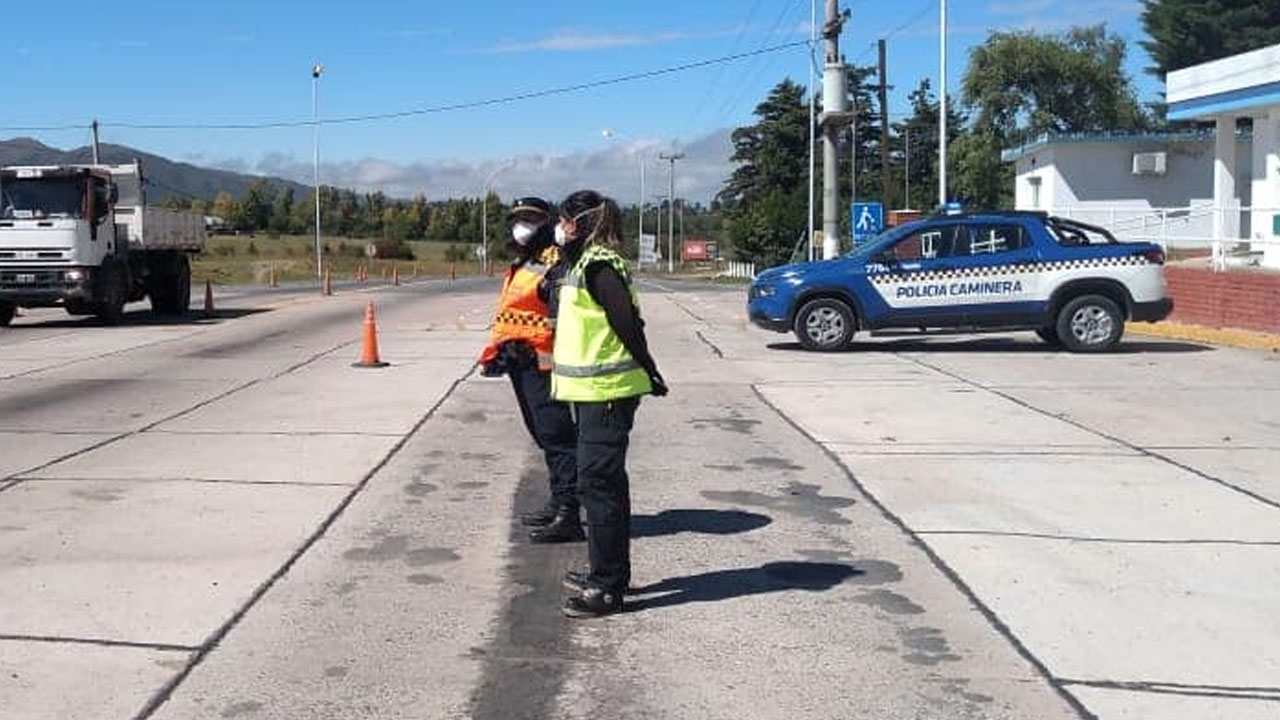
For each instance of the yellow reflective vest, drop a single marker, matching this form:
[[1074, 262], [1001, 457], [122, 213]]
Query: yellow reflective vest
[[590, 363]]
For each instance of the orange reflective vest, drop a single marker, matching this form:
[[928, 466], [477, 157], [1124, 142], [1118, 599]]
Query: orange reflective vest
[[523, 316]]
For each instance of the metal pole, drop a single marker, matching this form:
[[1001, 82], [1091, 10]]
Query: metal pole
[[640, 212], [906, 180], [833, 108], [316, 71], [95, 142], [942, 110], [671, 208], [813, 41], [853, 168]]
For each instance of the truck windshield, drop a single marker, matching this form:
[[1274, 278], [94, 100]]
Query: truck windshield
[[34, 198]]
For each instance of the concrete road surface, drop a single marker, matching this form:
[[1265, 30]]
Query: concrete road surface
[[223, 519]]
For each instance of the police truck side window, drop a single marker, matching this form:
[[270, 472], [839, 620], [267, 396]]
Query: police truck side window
[[930, 244], [991, 239]]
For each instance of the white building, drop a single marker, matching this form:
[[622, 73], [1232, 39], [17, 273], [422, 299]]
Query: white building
[[1184, 189], [1143, 187]]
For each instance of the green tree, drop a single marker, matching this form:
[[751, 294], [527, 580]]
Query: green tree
[[226, 207], [256, 206], [282, 211], [765, 198], [1019, 85], [1182, 33], [921, 130]]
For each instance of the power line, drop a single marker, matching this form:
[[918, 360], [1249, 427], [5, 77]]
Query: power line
[[503, 100], [920, 14]]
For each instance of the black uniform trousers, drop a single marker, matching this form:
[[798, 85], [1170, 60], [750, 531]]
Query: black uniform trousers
[[550, 422], [604, 431]]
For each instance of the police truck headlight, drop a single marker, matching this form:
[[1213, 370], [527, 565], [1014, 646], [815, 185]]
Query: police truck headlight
[[75, 276]]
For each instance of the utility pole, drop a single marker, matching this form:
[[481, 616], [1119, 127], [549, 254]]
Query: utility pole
[[316, 71], [884, 124], [813, 42], [95, 141], [671, 208], [834, 114], [942, 110], [906, 175]]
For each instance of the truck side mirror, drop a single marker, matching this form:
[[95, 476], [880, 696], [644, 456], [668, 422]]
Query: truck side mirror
[[113, 195]]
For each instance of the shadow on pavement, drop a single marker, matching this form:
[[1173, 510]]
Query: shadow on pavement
[[706, 522], [144, 318], [726, 584], [999, 344]]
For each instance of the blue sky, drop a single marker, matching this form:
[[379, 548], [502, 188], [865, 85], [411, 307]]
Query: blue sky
[[150, 62]]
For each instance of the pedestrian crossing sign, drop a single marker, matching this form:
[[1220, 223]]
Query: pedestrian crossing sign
[[868, 220]]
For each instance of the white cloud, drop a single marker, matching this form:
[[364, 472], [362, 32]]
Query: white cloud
[[573, 40], [613, 169]]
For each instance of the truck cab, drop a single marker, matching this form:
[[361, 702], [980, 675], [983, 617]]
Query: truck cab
[[82, 237]]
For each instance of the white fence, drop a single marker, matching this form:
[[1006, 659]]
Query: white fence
[[733, 269], [1225, 230]]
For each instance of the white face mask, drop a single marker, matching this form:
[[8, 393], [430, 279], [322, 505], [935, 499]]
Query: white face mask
[[562, 237], [522, 232]]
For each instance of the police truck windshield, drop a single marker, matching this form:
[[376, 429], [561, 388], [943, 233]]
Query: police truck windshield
[[36, 198]]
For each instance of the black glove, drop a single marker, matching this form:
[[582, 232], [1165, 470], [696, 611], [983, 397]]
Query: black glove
[[659, 385]]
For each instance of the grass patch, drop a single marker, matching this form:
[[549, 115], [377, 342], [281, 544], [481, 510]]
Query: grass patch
[[252, 259]]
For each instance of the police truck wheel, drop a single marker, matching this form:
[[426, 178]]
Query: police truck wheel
[[825, 324], [7, 310], [1090, 323]]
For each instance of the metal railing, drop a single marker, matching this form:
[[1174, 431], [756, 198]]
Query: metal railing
[[1223, 230], [735, 269]]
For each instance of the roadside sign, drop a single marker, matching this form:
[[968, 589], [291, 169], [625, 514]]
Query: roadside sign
[[868, 220], [649, 250]]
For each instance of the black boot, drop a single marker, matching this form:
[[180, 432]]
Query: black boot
[[575, 581], [564, 527], [593, 602], [544, 516]]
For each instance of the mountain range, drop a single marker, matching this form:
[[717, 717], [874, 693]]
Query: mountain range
[[166, 178]]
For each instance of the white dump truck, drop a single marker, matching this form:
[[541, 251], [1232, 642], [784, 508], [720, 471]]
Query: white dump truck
[[83, 237]]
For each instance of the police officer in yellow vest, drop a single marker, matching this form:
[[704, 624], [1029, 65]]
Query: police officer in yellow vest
[[603, 367], [520, 348]]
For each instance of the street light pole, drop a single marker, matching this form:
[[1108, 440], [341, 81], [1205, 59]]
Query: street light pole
[[671, 208], [610, 133], [942, 110], [484, 214], [316, 71]]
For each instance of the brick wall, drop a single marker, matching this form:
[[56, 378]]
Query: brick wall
[[1247, 300]]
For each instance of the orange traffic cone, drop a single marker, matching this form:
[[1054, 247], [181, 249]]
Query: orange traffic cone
[[328, 282], [208, 299], [369, 345], [395, 276]]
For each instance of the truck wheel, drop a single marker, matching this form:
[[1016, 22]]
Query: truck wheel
[[170, 286], [182, 287], [1090, 323], [7, 310], [77, 307], [825, 325], [110, 309], [1049, 334]]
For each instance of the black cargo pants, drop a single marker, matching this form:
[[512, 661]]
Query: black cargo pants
[[551, 424], [604, 431]]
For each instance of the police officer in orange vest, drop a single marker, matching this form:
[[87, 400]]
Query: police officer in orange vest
[[521, 349]]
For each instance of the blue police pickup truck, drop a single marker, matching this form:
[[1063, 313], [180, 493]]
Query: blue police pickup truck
[[1074, 284]]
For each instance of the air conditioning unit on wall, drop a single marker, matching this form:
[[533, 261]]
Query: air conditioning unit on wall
[[1150, 163]]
